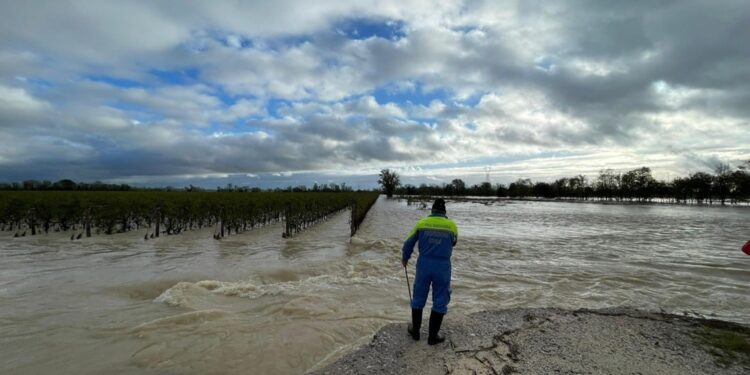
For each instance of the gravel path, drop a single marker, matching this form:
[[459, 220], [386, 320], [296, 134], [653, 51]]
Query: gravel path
[[553, 341]]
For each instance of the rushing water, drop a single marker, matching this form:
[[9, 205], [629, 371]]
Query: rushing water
[[257, 303]]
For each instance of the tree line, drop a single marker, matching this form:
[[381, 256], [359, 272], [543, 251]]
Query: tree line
[[316, 188], [724, 185], [70, 185], [63, 185]]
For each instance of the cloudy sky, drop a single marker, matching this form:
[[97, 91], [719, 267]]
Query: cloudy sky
[[290, 92]]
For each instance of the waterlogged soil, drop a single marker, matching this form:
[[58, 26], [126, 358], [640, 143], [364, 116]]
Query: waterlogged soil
[[258, 303], [552, 341]]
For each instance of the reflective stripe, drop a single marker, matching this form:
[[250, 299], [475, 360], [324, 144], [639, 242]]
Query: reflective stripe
[[439, 229], [435, 223]]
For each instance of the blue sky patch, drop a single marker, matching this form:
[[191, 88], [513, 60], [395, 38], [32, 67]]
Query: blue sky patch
[[36, 83], [136, 111], [545, 63], [226, 98], [473, 99], [416, 94], [275, 105], [236, 41], [365, 28], [115, 81], [176, 77]]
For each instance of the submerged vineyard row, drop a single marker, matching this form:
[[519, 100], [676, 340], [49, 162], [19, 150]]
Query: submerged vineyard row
[[171, 212]]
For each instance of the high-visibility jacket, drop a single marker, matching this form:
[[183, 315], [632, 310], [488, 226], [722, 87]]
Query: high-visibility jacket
[[436, 235]]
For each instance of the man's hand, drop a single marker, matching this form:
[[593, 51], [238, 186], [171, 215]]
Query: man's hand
[[404, 262]]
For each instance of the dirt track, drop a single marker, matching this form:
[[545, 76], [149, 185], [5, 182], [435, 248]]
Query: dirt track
[[552, 341]]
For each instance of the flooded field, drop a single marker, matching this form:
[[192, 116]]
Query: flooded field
[[257, 303]]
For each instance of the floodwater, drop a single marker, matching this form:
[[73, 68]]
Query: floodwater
[[258, 304]]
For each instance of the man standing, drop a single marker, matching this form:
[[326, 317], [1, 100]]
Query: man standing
[[436, 235]]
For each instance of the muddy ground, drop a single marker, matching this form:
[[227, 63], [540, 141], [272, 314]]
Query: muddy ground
[[553, 341]]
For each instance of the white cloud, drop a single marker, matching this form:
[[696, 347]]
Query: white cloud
[[18, 100]]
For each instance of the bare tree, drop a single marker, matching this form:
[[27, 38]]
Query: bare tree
[[389, 180], [607, 184], [459, 186], [723, 179]]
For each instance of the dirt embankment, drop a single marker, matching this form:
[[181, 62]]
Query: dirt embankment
[[553, 341]]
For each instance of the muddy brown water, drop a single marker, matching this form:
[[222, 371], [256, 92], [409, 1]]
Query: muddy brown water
[[257, 303]]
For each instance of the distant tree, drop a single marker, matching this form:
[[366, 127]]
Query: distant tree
[[560, 186], [65, 185], [578, 185], [521, 188], [661, 190], [485, 189], [607, 183], [193, 188], [543, 190], [423, 189], [501, 190], [700, 185], [722, 181], [459, 186], [410, 189], [681, 189], [638, 183], [389, 180], [739, 187], [30, 184]]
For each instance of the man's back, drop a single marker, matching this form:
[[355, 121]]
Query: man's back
[[436, 235]]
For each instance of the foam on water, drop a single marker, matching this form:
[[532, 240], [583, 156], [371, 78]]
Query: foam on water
[[365, 274], [189, 318], [294, 324]]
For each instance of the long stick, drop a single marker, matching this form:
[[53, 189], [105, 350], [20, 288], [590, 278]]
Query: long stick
[[408, 286]]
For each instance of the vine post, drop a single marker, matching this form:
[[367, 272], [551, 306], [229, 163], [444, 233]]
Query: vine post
[[288, 224], [353, 221]]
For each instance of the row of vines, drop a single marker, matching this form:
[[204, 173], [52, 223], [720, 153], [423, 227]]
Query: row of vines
[[105, 212]]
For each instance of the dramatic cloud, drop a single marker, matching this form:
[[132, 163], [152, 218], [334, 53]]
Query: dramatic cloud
[[287, 92]]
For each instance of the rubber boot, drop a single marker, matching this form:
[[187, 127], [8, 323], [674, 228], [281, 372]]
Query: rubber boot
[[436, 319], [416, 323]]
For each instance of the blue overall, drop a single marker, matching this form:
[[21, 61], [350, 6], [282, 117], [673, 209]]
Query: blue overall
[[436, 235]]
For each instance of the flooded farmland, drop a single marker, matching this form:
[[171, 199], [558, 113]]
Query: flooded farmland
[[257, 303]]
